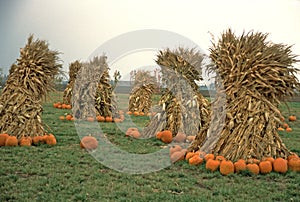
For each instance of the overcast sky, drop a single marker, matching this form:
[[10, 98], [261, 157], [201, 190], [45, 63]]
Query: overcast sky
[[78, 27]]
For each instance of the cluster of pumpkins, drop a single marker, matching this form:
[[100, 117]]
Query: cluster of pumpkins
[[285, 126], [225, 167], [59, 105], [8, 140]]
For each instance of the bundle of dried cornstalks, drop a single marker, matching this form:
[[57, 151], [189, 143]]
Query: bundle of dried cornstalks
[[74, 67], [140, 99], [183, 108], [28, 83], [255, 75], [92, 93]]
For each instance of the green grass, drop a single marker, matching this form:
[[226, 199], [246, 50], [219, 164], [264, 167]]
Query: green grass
[[67, 173]]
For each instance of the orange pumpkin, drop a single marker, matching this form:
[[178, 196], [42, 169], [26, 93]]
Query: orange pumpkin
[[11, 141], [25, 141], [175, 148], [166, 136], [189, 155], [142, 114], [136, 113], [69, 117], [280, 129], [68, 106], [177, 156], [289, 129], [108, 119], [285, 125], [209, 156], [180, 137], [212, 165], [253, 168], [158, 135], [292, 118], [271, 159], [280, 165], [291, 156], [135, 134], [62, 117], [226, 167], [100, 118], [129, 113], [89, 143], [265, 167], [195, 160], [37, 139], [50, 139], [3, 138], [294, 164], [239, 165]]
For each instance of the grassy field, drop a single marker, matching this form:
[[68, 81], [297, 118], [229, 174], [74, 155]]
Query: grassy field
[[67, 173]]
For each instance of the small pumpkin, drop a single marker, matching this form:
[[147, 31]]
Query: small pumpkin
[[292, 118], [136, 113], [158, 135], [209, 156], [280, 165], [226, 167], [291, 156], [212, 165], [108, 119], [195, 160], [294, 164], [166, 136], [240, 165], [50, 139], [285, 125], [265, 167], [129, 113], [25, 141], [180, 137], [280, 129], [69, 117], [142, 114], [189, 155], [288, 129], [37, 139], [100, 118], [253, 168], [3, 138], [89, 143], [177, 156], [175, 148], [135, 134], [11, 141], [62, 118]]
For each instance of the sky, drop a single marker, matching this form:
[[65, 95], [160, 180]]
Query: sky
[[77, 28]]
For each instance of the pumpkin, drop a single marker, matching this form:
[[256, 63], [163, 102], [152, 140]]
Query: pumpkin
[[142, 114], [177, 156], [63, 106], [280, 129], [212, 165], [166, 136], [190, 138], [90, 119], [175, 148], [68, 106], [271, 159], [253, 168], [69, 117], [280, 165], [209, 156], [129, 113], [220, 158], [292, 118], [226, 167], [62, 117], [189, 155], [135, 134], [100, 118], [158, 135], [240, 165], [50, 139], [3, 138], [285, 125], [291, 156], [289, 129], [25, 141], [59, 106], [180, 137], [265, 167], [11, 141], [136, 113], [37, 139], [294, 164], [89, 143], [195, 160], [108, 119]]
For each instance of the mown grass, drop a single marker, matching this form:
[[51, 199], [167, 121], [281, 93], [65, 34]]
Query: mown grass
[[67, 173]]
